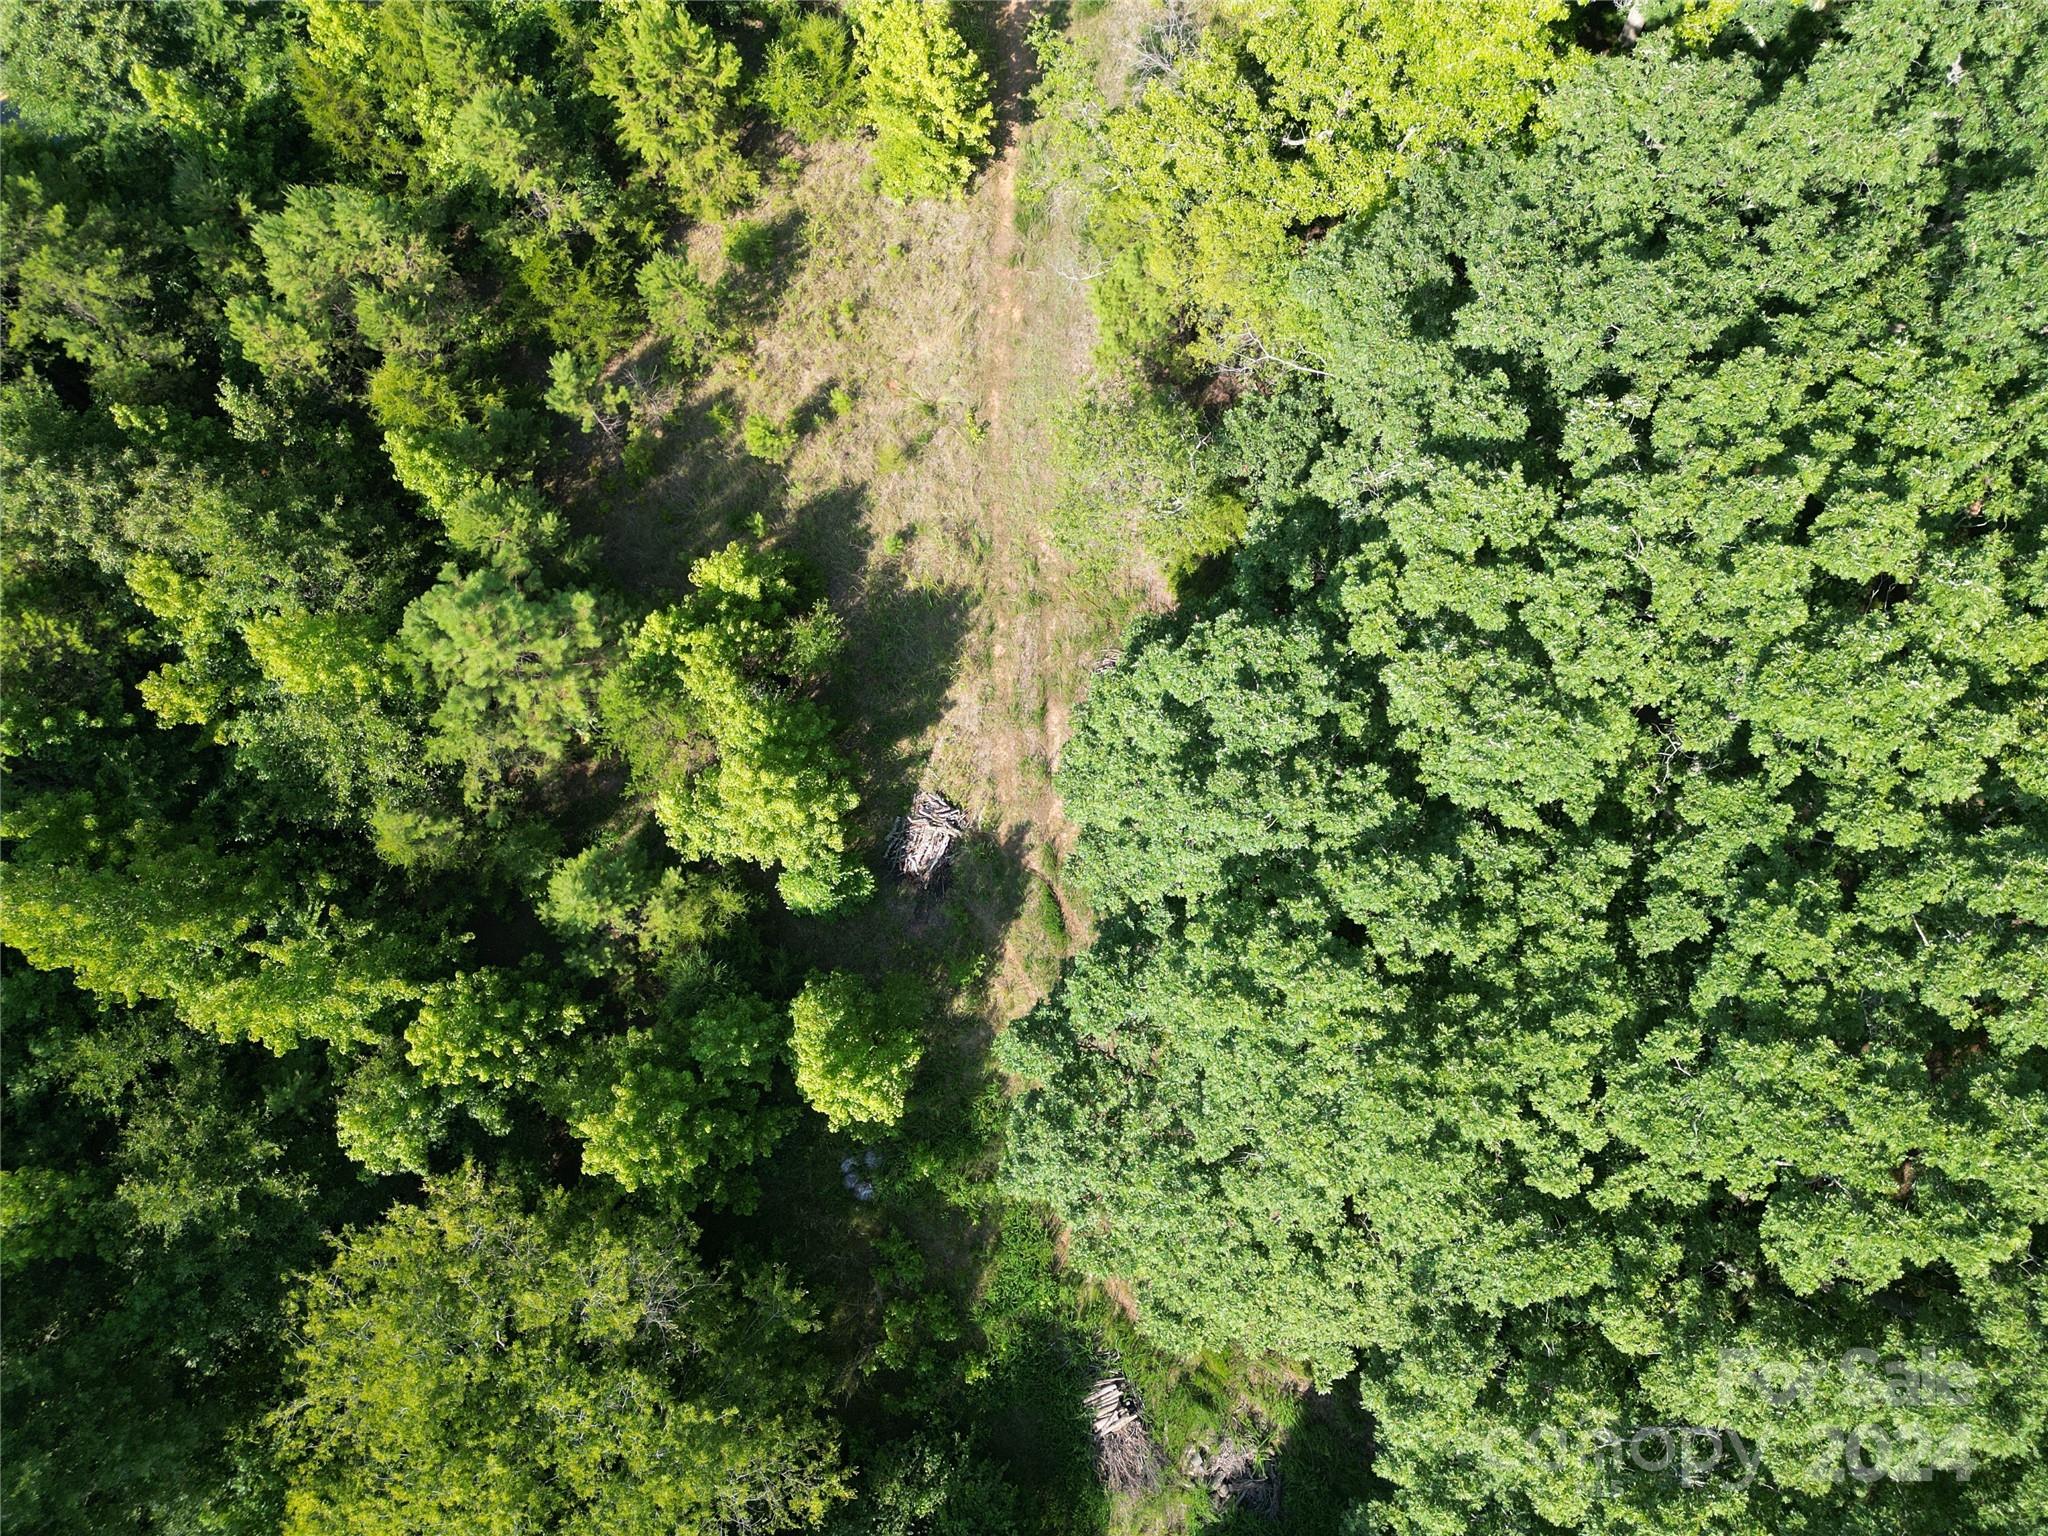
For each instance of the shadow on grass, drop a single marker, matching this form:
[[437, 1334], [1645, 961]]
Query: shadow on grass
[[1322, 1469], [903, 648], [761, 258]]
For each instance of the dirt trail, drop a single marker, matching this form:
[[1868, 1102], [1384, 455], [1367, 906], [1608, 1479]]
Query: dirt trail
[[1004, 315], [925, 348], [1025, 715]]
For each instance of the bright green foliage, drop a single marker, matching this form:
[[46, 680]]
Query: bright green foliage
[[678, 1107], [1138, 463], [233, 944], [1570, 889], [445, 95], [1279, 119], [343, 697], [387, 1117], [807, 81], [516, 675], [925, 97], [1572, 912], [769, 440], [707, 707], [474, 1363], [69, 72], [855, 1047], [613, 903], [487, 1027], [673, 84], [579, 390], [482, 511]]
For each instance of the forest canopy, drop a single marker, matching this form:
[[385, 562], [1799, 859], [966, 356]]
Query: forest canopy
[[1572, 903]]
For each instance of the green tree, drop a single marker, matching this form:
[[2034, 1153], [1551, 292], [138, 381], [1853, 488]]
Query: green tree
[[616, 907], [681, 307], [1279, 119], [708, 710], [486, 110], [160, 1192], [353, 280], [488, 1029], [679, 1107], [855, 1047], [579, 390], [550, 1369], [75, 284], [149, 909], [808, 82], [674, 84], [1570, 909], [926, 98], [65, 66], [516, 675]]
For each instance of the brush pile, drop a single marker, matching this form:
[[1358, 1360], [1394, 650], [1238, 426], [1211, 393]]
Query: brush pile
[[1233, 1474], [1124, 1453], [921, 844]]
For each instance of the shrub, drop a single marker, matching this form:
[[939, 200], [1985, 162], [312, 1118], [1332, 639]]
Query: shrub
[[927, 99], [769, 440], [680, 307]]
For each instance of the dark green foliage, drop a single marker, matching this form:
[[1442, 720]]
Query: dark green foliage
[[315, 868], [1569, 885], [1572, 907], [516, 675], [160, 1193]]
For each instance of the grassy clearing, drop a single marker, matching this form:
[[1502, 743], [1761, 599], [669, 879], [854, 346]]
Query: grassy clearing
[[889, 416]]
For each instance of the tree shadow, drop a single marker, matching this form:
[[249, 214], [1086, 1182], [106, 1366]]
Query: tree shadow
[[904, 641], [1321, 1471], [815, 409], [761, 256], [701, 492]]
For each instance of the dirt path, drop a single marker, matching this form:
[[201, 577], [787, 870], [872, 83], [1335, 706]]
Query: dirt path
[[1025, 720], [1004, 314]]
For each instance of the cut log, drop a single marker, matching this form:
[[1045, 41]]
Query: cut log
[[921, 844], [1125, 1456]]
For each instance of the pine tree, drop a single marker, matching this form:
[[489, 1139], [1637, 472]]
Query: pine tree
[[927, 100], [674, 84]]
